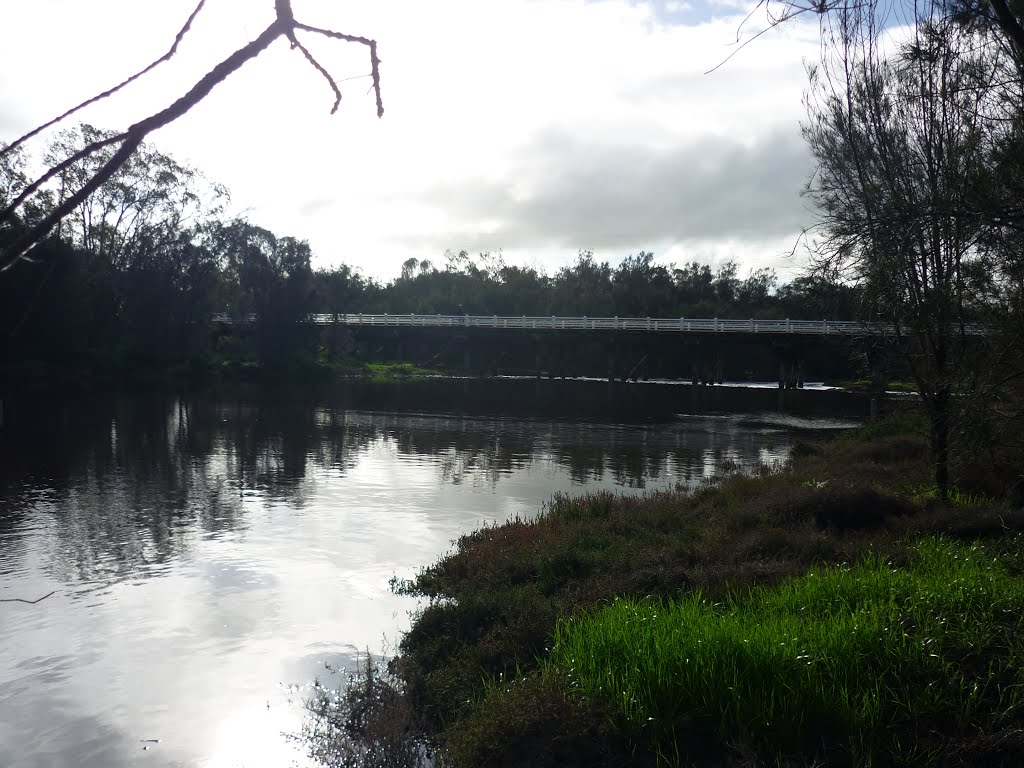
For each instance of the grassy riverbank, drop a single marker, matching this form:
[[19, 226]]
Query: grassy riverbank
[[829, 612], [33, 377]]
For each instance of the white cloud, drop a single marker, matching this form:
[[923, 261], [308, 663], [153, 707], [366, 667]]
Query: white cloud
[[568, 193], [529, 125]]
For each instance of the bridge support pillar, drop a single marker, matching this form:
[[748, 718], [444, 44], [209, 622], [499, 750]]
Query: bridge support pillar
[[708, 368], [555, 358], [791, 374], [878, 365]]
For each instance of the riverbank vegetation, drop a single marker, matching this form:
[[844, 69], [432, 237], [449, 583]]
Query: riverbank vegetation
[[831, 611]]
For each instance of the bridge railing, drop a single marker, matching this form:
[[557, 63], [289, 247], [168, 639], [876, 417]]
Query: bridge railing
[[647, 324], [656, 324]]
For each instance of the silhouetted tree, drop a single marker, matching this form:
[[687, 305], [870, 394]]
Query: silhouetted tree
[[272, 280], [905, 144]]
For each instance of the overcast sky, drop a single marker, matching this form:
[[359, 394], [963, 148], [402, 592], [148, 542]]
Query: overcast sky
[[534, 127]]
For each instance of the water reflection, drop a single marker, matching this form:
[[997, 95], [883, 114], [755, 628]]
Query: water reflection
[[209, 552]]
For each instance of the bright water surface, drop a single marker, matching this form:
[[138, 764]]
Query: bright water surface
[[208, 556]]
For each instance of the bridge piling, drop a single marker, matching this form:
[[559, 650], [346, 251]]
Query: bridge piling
[[791, 374]]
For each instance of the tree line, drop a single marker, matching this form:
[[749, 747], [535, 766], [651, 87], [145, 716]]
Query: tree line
[[132, 276]]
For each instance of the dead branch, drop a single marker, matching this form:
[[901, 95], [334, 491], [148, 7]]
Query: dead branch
[[374, 60], [127, 142], [27, 602], [111, 91], [319, 68], [774, 21]]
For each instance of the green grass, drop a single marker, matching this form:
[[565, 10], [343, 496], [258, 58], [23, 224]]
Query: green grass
[[843, 658], [954, 497], [865, 385], [896, 425], [397, 370]]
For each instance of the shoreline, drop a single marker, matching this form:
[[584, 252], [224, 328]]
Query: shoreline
[[505, 396], [483, 675]]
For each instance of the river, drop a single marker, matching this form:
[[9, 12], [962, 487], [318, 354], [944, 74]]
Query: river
[[211, 555]]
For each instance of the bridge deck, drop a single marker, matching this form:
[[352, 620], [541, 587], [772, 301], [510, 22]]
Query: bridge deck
[[644, 324]]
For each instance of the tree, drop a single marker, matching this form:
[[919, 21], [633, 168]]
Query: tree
[[457, 261], [150, 204], [813, 297], [127, 276], [585, 288], [642, 288], [111, 152], [409, 268], [726, 282], [694, 285], [844, 19], [754, 292], [271, 278], [906, 145], [12, 175]]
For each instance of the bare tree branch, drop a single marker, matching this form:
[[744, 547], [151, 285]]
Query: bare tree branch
[[166, 57], [319, 68], [374, 60], [284, 25], [1010, 25], [773, 22], [130, 140]]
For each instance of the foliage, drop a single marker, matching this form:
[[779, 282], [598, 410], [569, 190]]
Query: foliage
[[150, 205], [843, 659], [364, 724], [914, 204]]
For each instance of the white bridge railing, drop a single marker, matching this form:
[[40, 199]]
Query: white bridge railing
[[653, 324]]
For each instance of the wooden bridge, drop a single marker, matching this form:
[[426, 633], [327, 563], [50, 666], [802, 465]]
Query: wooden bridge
[[704, 350], [556, 323]]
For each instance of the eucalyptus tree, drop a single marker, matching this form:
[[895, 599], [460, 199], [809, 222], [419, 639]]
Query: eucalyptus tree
[[150, 205]]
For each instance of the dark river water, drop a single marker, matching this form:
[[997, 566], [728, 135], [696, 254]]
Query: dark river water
[[209, 555]]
